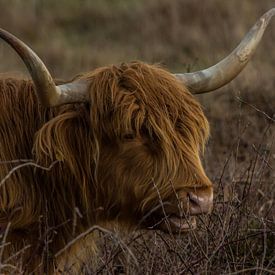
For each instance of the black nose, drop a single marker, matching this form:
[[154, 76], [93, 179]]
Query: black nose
[[200, 200]]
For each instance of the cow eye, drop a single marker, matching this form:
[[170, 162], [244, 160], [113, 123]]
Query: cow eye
[[128, 136]]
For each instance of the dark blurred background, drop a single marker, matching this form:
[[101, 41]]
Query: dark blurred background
[[74, 36]]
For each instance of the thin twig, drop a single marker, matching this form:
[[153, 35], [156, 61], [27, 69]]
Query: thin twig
[[246, 270], [255, 108], [24, 165], [3, 242]]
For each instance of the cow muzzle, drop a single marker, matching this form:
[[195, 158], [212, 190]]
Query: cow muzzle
[[196, 201]]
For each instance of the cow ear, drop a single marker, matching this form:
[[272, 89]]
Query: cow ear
[[65, 138]]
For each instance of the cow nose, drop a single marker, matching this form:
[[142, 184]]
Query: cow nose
[[200, 201]]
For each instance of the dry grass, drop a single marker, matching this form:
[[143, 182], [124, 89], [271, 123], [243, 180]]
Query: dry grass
[[74, 36]]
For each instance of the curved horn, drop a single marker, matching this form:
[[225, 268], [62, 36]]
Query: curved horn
[[48, 93], [227, 69]]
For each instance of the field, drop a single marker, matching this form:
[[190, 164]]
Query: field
[[182, 35]]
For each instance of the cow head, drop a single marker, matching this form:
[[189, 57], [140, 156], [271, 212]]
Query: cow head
[[150, 131]]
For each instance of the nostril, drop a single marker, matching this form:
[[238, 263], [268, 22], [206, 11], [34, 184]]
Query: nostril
[[200, 202], [199, 199], [194, 205]]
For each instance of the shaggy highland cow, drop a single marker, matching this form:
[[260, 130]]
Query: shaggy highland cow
[[109, 145]]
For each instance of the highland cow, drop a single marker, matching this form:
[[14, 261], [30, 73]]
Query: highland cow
[[109, 145]]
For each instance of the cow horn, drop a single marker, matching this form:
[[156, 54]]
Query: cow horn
[[227, 69], [48, 93]]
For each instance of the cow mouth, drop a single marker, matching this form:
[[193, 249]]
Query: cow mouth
[[175, 224]]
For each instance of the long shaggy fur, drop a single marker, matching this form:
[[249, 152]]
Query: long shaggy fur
[[142, 130]]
